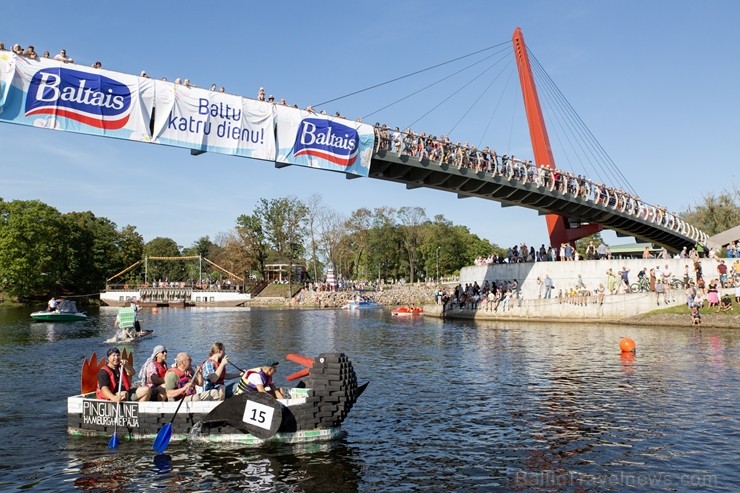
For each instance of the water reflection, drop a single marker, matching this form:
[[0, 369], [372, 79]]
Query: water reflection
[[321, 467], [452, 406]]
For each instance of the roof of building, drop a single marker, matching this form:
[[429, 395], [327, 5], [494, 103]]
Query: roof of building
[[725, 237], [632, 248]]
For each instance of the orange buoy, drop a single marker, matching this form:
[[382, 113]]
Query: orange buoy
[[626, 344]]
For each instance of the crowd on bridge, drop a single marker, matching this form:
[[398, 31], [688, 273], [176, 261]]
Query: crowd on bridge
[[486, 162]]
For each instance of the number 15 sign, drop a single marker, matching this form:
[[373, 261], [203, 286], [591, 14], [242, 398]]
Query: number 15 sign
[[258, 414]]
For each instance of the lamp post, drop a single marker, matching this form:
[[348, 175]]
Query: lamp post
[[438, 264]]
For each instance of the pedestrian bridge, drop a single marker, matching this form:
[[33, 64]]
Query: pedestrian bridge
[[51, 94], [545, 190]]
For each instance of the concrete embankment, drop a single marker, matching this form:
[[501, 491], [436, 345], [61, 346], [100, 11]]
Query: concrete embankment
[[615, 308], [565, 274], [390, 295]]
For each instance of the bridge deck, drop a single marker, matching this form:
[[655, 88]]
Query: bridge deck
[[620, 213]]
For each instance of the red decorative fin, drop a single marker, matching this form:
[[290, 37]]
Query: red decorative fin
[[301, 360], [90, 369], [299, 374]]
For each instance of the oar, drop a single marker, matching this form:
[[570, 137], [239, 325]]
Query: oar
[[113, 442], [165, 434], [232, 364]]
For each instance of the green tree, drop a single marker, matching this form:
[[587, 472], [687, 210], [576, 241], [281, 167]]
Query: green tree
[[130, 247], [411, 220], [582, 243], [384, 244], [93, 252], [203, 247], [251, 236], [283, 221], [356, 243], [33, 249], [716, 214], [164, 268]]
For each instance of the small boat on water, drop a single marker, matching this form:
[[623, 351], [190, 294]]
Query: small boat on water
[[66, 311], [314, 410], [407, 311], [361, 303], [129, 336]]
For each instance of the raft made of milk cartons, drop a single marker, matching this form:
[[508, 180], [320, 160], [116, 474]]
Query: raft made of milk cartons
[[311, 413]]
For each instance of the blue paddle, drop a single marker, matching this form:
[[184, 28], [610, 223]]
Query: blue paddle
[[113, 442], [165, 434]]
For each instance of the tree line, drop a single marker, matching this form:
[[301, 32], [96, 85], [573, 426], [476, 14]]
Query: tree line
[[45, 252]]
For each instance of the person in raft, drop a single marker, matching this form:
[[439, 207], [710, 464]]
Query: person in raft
[[153, 371], [108, 378], [181, 379], [215, 374], [260, 380]]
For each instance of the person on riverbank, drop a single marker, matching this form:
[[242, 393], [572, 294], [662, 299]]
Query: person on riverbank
[[108, 380], [215, 374], [611, 281], [725, 304], [690, 293], [660, 291], [713, 293], [624, 276], [695, 316], [260, 380], [153, 371]]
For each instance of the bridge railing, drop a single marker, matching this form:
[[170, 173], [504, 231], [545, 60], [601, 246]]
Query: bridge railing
[[443, 152]]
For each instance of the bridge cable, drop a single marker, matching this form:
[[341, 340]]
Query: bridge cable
[[430, 85], [547, 91], [495, 109], [570, 123], [511, 127], [510, 60], [591, 139], [453, 94], [409, 75]]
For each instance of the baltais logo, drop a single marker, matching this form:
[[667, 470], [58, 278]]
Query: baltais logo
[[328, 140], [91, 99]]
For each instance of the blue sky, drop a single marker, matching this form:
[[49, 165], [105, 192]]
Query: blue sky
[[656, 83]]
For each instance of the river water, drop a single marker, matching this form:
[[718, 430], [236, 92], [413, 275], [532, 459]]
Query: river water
[[451, 406]]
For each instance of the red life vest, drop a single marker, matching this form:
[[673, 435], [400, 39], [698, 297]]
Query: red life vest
[[221, 379], [183, 378], [161, 368], [125, 384]]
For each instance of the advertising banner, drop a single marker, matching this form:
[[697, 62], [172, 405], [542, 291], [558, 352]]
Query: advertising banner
[[318, 141], [212, 121], [7, 70], [50, 94]]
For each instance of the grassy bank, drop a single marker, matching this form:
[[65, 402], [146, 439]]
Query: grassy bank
[[678, 315]]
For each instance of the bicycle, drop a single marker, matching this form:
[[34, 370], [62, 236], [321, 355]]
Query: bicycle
[[641, 286], [676, 283]]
